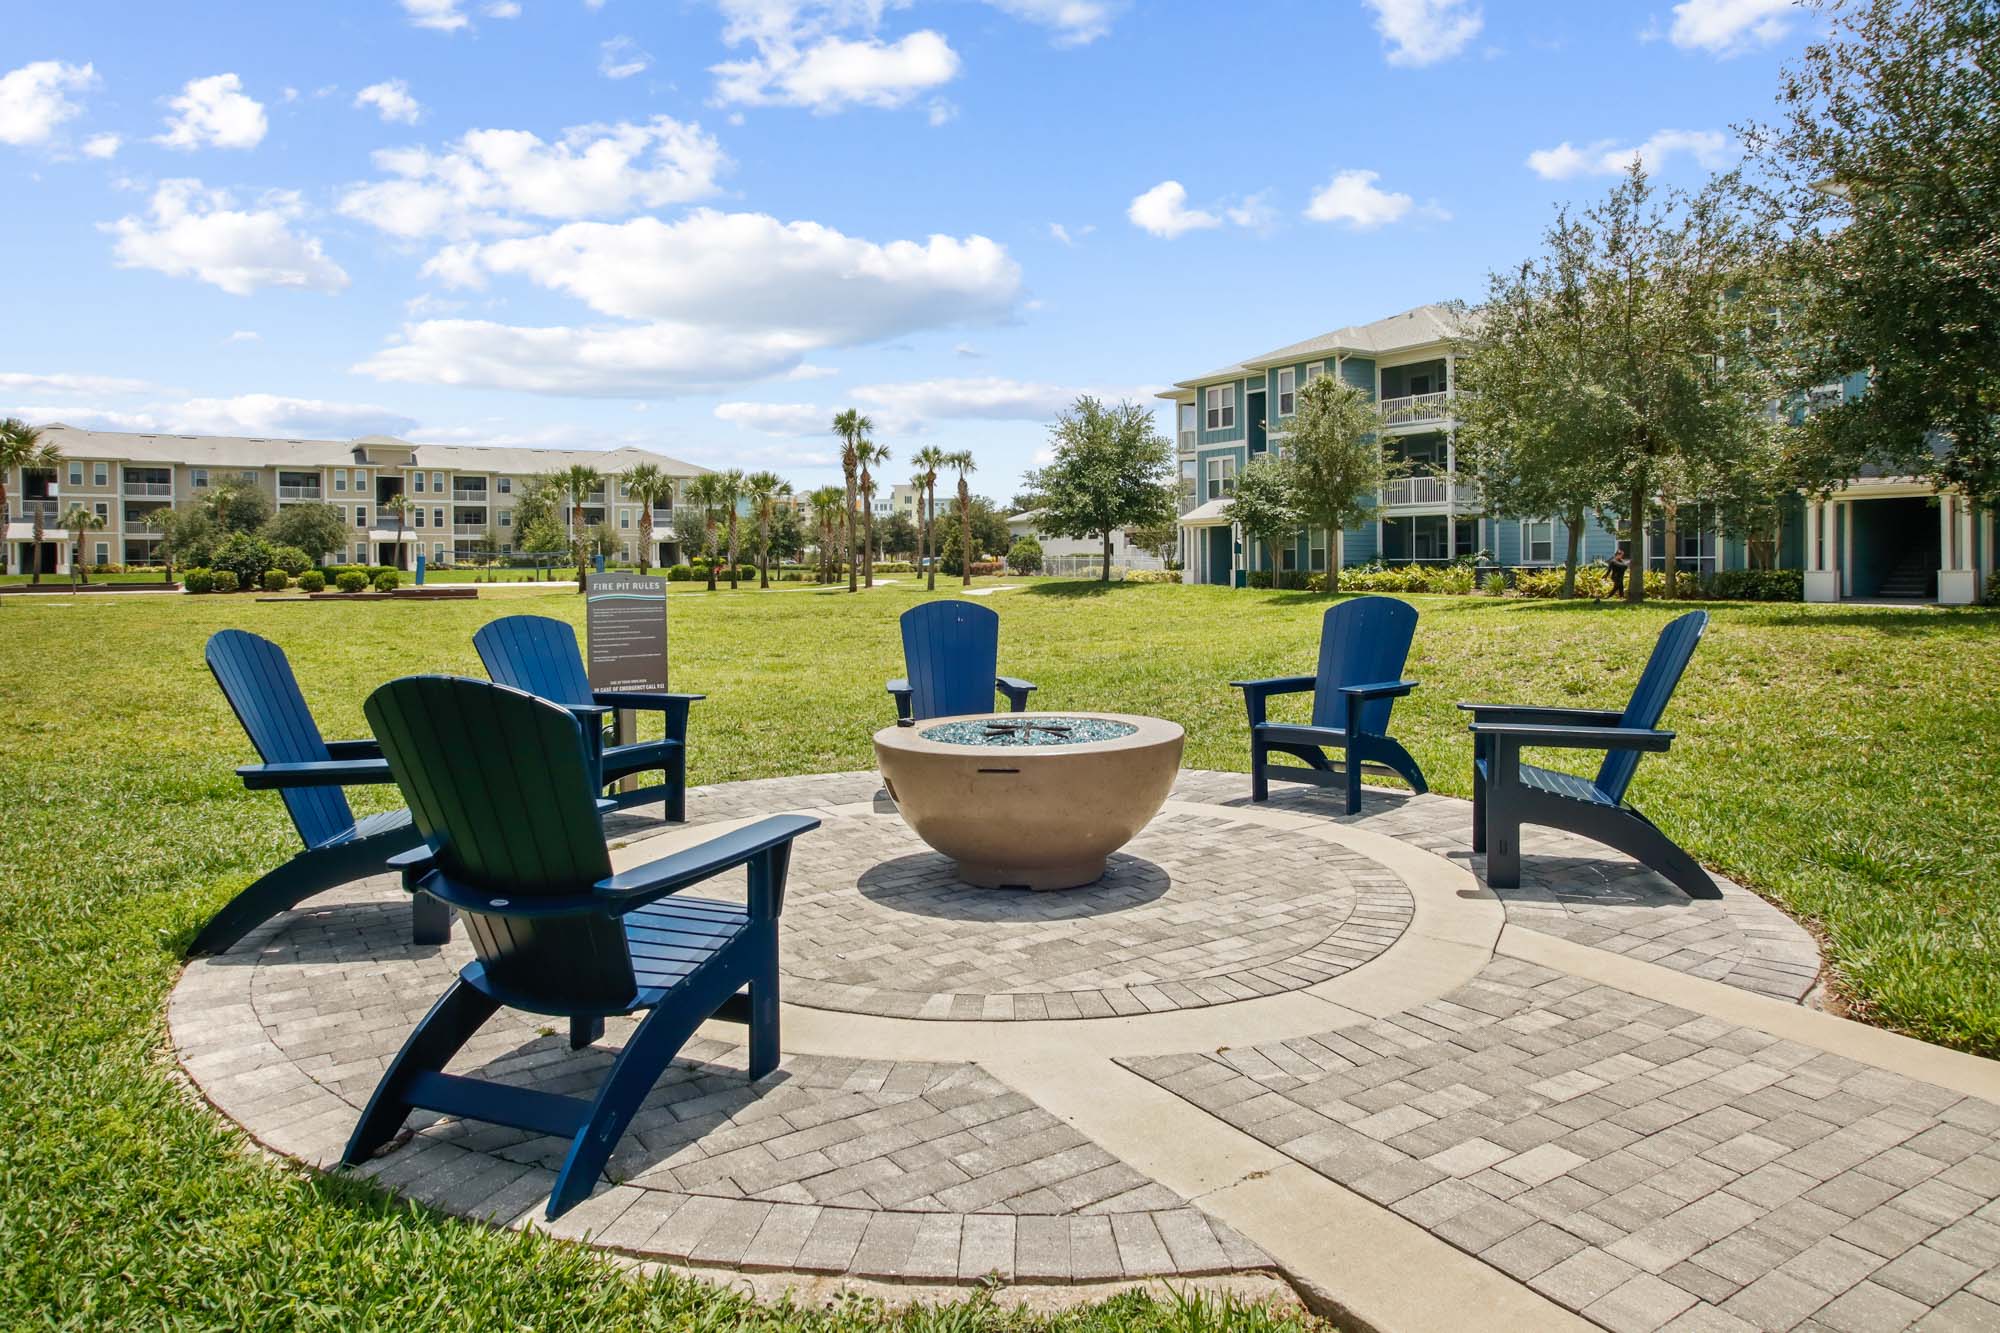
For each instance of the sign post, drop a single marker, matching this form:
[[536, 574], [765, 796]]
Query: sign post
[[625, 624]]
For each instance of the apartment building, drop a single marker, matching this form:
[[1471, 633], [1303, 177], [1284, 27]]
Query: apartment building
[[461, 497], [1876, 538]]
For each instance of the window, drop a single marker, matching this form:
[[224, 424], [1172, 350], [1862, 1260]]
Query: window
[[1222, 407], [76, 474], [437, 483], [340, 479], [1288, 557], [1538, 542], [624, 518], [417, 483], [420, 517], [437, 518], [249, 476], [361, 516], [1318, 550], [102, 510], [1288, 397], [1221, 476], [506, 518], [199, 477], [437, 552], [506, 485], [100, 475], [1315, 370], [104, 553]]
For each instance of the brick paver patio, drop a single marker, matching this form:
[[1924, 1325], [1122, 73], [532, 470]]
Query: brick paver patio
[[1645, 1154]]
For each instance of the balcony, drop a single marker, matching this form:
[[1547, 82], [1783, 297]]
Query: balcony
[[161, 490], [49, 510], [298, 493], [1402, 491], [468, 530], [1412, 409], [466, 495]]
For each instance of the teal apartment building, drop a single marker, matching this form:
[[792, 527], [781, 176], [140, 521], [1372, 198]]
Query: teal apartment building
[[1876, 538]]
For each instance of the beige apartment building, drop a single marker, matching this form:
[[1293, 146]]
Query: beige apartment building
[[461, 496]]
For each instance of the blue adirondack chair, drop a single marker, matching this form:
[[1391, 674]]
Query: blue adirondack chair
[[1507, 793], [309, 772], [1363, 645], [502, 786], [951, 650], [541, 656]]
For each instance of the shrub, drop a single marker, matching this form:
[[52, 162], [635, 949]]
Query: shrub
[[894, 567], [388, 581], [1174, 576], [1494, 584], [351, 580], [107, 569], [244, 555], [680, 573], [225, 580], [198, 580], [1759, 585], [1260, 578], [986, 568], [312, 581], [291, 560], [275, 580], [1455, 580], [1025, 556], [1992, 587]]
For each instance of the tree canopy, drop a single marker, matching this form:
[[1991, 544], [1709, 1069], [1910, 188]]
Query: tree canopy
[[1333, 457], [1266, 506], [316, 529], [1110, 471]]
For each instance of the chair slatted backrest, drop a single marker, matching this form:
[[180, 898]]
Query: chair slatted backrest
[[257, 680], [1362, 642], [537, 654], [500, 785], [951, 654], [1649, 698]]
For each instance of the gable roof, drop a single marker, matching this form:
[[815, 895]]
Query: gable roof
[[1418, 327], [250, 451]]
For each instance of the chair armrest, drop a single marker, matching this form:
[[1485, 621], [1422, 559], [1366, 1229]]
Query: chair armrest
[[368, 749], [1381, 689], [640, 885], [319, 773], [1256, 692], [588, 712], [899, 690], [1575, 738], [1016, 690], [674, 706], [414, 864], [1580, 717]]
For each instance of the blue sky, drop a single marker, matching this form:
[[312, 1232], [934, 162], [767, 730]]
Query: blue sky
[[702, 227]]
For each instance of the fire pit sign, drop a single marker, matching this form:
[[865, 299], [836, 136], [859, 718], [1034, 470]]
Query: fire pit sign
[[626, 623]]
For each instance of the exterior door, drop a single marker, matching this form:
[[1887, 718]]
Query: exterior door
[[1218, 556]]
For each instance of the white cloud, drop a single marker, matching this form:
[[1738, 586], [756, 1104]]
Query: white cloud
[[501, 9], [621, 58], [1423, 32], [749, 271], [1730, 27], [811, 372], [968, 351], [15, 381], [266, 415], [834, 73], [1352, 197], [941, 112], [201, 233], [244, 336], [620, 362], [1710, 149], [214, 112], [1074, 22], [1254, 212], [437, 15], [33, 99], [782, 419], [102, 146], [910, 405], [1163, 211], [488, 179], [1071, 235], [391, 100]]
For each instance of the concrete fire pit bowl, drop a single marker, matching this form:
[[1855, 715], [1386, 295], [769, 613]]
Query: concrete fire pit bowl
[[1030, 800]]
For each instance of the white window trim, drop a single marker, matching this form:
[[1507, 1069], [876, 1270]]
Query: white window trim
[[1219, 407], [1315, 370], [1288, 391], [100, 475], [1527, 543]]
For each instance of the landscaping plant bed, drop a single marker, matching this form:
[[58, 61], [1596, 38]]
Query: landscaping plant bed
[[11, 588], [454, 594]]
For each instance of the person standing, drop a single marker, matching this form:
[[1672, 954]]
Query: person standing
[[1618, 564]]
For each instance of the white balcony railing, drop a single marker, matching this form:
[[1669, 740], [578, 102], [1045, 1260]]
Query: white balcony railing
[[298, 493], [468, 530], [1415, 407], [48, 509], [462, 495], [1414, 491], [162, 489]]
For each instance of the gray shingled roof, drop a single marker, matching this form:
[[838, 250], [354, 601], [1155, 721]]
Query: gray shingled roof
[[247, 451], [1425, 324]]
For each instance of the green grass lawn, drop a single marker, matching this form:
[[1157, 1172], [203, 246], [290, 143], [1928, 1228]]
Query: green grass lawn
[[1841, 760]]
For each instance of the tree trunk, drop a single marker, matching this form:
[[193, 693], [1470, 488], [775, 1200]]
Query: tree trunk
[[1635, 573], [923, 534], [930, 529], [1574, 554], [646, 539], [1670, 576], [965, 530], [852, 584], [1105, 577], [582, 548], [764, 549], [39, 531], [82, 569], [732, 552], [708, 548]]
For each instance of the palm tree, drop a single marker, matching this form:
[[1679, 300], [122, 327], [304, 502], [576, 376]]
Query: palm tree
[[765, 489], [961, 461], [869, 453], [930, 459], [706, 492], [826, 507], [732, 492], [399, 505], [581, 481], [22, 446], [80, 520], [648, 485], [852, 428]]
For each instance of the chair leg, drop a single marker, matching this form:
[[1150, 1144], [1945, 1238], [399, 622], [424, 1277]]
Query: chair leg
[[430, 920], [764, 1046], [1260, 785], [1350, 765], [1478, 798], [451, 1022], [648, 1051], [584, 1031], [1503, 849], [676, 776]]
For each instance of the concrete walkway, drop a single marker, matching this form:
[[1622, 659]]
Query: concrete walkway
[[1274, 1047]]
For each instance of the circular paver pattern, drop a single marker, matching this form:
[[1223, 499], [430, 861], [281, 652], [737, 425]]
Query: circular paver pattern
[[1199, 909]]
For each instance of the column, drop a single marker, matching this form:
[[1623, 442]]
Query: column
[[1822, 583], [1958, 582]]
